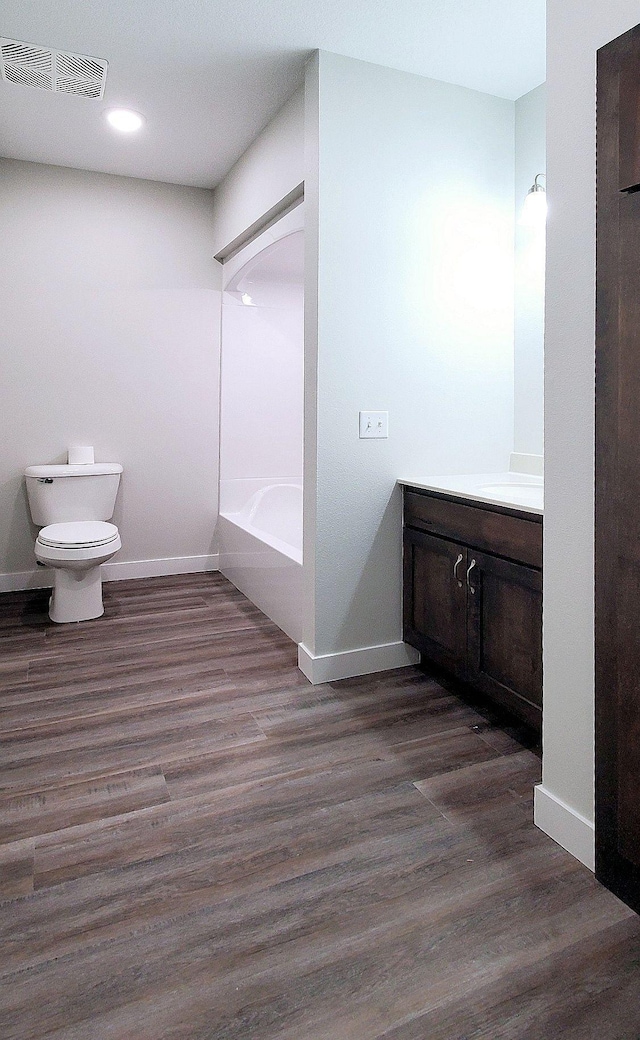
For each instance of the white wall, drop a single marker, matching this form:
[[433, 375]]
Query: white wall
[[531, 132], [270, 170], [575, 31], [412, 193], [109, 328]]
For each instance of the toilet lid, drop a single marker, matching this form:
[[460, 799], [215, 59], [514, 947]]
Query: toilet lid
[[81, 534]]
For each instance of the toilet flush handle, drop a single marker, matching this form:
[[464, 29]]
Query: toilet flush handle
[[45, 480]]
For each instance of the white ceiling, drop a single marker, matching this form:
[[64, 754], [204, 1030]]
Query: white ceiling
[[209, 74]]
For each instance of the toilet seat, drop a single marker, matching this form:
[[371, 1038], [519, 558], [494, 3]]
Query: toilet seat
[[79, 534]]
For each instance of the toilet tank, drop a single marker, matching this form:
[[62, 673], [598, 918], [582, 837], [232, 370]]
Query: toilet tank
[[61, 493]]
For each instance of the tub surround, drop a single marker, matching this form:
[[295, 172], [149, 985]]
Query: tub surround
[[259, 528]]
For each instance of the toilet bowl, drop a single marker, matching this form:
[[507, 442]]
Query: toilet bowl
[[72, 503], [76, 551]]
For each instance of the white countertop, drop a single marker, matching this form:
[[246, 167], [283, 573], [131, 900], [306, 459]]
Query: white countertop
[[518, 490]]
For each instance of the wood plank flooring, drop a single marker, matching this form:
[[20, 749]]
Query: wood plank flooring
[[196, 844]]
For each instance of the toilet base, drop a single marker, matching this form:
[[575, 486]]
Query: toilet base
[[76, 595]]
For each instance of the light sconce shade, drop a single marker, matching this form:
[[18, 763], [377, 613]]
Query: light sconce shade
[[534, 211]]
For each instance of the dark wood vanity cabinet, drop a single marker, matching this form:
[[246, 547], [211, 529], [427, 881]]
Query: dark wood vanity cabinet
[[435, 619], [504, 633], [473, 596]]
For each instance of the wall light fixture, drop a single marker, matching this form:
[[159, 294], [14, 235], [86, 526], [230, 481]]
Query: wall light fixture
[[534, 211]]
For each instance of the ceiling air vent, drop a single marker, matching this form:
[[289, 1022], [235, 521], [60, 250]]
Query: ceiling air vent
[[59, 71]]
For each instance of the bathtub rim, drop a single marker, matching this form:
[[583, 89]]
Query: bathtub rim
[[285, 548]]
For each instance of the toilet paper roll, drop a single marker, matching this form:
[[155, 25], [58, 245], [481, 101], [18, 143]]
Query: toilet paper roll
[[80, 456]]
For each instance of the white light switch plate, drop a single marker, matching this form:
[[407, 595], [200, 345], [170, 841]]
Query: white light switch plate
[[374, 424]]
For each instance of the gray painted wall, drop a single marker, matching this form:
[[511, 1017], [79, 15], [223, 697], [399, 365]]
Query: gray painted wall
[[109, 305], [574, 32], [414, 201], [266, 173], [528, 406]]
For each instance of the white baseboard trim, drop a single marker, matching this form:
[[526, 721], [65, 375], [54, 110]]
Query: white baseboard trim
[[344, 665], [156, 568], [42, 577], [569, 828], [17, 581]]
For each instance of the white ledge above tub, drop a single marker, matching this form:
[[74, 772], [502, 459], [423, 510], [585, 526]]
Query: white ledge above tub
[[522, 491]]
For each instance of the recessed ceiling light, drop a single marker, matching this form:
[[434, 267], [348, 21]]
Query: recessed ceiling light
[[124, 119]]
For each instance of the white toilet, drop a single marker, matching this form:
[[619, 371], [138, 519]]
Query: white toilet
[[73, 503]]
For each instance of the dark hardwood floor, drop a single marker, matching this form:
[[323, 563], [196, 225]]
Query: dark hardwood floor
[[196, 844]]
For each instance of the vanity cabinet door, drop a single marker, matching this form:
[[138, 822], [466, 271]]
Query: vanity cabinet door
[[435, 599], [505, 632]]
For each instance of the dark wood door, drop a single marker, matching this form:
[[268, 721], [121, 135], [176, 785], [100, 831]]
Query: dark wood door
[[505, 633], [617, 599], [435, 599]]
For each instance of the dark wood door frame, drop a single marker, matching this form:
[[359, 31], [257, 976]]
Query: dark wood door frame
[[617, 501]]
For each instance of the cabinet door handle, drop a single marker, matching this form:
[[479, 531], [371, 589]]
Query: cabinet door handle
[[455, 570], [469, 585]]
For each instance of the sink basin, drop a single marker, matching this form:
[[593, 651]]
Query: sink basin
[[530, 494]]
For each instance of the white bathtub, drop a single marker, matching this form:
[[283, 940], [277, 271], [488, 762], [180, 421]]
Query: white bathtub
[[261, 551], [274, 516]]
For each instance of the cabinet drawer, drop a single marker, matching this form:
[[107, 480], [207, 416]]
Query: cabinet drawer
[[477, 526]]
